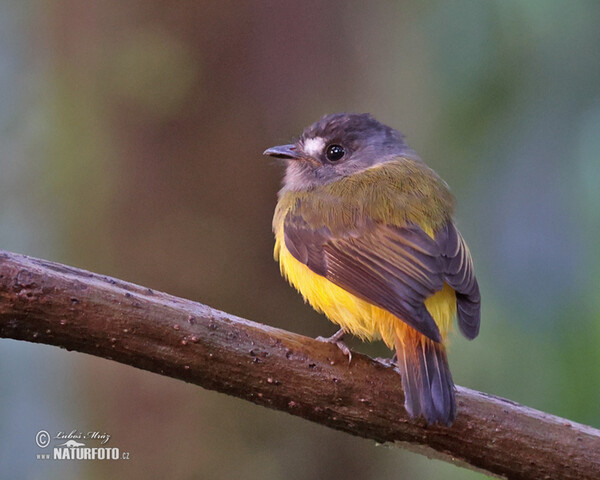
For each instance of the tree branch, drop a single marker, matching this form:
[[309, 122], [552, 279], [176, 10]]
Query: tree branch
[[58, 305]]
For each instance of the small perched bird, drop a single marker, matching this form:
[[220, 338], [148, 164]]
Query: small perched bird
[[364, 231]]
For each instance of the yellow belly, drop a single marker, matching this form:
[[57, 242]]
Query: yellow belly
[[353, 314]]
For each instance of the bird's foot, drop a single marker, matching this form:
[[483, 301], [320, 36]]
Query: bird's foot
[[388, 362], [336, 339]]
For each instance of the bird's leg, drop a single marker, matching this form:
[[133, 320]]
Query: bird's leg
[[336, 339]]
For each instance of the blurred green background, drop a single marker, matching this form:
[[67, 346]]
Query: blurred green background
[[131, 135]]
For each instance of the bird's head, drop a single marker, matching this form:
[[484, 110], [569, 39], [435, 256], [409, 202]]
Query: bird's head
[[337, 146]]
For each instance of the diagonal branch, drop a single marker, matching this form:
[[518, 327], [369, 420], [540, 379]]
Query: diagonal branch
[[58, 305]]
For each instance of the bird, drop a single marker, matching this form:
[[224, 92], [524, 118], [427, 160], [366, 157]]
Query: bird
[[364, 230]]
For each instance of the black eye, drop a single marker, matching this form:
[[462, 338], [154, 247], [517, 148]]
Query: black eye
[[335, 152]]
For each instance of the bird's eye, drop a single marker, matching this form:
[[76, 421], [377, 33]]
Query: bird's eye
[[335, 153]]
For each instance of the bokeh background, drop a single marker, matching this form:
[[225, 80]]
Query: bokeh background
[[131, 135]]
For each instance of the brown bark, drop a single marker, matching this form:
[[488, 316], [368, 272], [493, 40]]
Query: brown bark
[[54, 304]]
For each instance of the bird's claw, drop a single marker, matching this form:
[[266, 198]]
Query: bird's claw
[[336, 339], [388, 362]]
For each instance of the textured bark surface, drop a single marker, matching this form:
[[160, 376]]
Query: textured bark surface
[[54, 304]]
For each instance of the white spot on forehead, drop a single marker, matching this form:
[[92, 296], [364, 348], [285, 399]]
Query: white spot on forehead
[[314, 146]]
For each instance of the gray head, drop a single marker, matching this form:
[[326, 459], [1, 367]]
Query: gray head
[[337, 146]]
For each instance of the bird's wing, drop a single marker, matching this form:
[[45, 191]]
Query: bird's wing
[[459, 274], [394, 268]]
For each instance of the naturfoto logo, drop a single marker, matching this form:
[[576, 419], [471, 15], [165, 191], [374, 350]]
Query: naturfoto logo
[[77, 445]]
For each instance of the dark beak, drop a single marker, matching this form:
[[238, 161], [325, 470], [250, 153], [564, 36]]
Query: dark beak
[[283, 151]]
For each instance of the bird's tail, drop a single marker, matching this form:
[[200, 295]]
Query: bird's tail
[[426, 379]]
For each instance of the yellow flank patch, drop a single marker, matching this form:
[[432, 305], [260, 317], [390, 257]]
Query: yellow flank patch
[[353, 314]]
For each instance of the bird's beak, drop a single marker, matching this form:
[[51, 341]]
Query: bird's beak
[[284, 151]]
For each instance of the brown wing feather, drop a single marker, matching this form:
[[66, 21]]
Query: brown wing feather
[[460, 275], [394, 268]]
